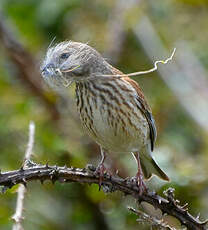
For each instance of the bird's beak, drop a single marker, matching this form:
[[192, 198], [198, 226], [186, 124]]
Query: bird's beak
[[48, 70]]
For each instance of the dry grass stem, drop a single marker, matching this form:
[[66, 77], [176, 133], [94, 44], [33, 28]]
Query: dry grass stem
[[145, 71]]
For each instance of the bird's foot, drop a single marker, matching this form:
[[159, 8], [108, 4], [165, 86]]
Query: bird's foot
[[100, 171], [139, 176], [140, 183]]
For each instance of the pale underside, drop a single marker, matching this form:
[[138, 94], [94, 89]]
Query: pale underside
[[117, 128], [119, 140]]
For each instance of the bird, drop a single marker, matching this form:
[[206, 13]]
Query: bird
[[112, 107]]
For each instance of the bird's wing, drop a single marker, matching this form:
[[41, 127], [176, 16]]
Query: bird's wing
[[145, 109]]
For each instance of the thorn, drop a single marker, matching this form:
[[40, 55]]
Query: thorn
[[65, 167], [117, 172], [29, 163], [169, 193], [21, 169], [185, 207], [24, 182], [47, 165], [131, 209], [83, 170], [159, 201], [198, 216]]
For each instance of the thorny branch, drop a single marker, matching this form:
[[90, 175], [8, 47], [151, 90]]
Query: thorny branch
[[18, 216], [110, 184], [153, 221]]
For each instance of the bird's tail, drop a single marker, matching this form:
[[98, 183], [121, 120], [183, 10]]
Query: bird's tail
[[149, 167]]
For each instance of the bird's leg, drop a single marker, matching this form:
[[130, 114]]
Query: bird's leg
[[101, 168], [139, 176]]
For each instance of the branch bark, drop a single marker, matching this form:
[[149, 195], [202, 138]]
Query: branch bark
[[110, 184]]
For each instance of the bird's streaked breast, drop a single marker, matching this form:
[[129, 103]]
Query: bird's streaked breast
[[109, 113]]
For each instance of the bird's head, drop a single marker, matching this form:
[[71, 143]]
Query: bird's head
[[70, 61]]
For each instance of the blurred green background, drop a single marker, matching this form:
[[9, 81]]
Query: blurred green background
[[131, 35]]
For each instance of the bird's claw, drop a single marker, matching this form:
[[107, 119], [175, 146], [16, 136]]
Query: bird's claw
[[141, 185], [100, 170], [139, 182]]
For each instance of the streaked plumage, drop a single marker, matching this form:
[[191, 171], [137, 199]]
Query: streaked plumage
[[113, 110]]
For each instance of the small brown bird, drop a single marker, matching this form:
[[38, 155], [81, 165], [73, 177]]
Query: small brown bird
[[112, 106]]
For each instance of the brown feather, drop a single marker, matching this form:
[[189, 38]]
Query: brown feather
[[142, 105], [146, 110]]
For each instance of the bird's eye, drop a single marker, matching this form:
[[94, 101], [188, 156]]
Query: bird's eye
[[64, 55]]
